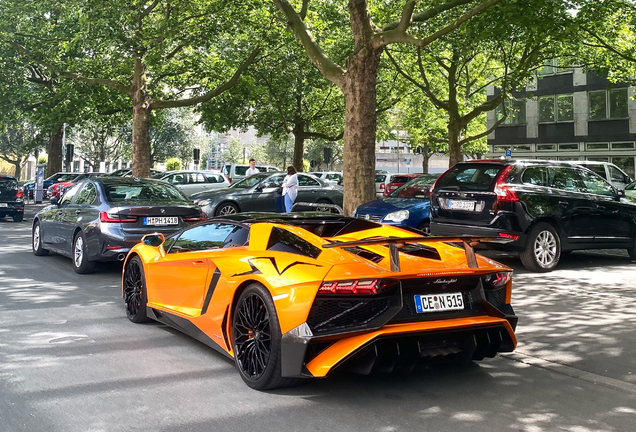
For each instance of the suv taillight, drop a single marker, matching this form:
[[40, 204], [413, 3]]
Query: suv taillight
[[504, 193], [19, 195]]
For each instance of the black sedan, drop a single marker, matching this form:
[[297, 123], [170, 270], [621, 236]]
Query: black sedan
[[258, 194], [11, 198], [101, 219]]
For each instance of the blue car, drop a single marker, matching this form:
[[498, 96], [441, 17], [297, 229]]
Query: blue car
[[406, 206], [29, 187]]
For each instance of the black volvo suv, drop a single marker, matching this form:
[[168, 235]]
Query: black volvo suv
[[11, 198], [543, 208]]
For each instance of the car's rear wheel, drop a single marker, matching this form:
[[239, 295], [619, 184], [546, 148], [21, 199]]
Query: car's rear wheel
[[542, 250], [256, 340], [323, 209], [18, 217], [36, 236], [135, 297], [81, 264], [225, 209]]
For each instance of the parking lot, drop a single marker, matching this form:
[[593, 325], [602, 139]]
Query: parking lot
[[71, 361]]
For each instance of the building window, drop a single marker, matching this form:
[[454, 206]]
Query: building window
[[525, 147], [501, 149], [569, 158], [608, 104], [597, 146], [516, 110], [556, 108], [623, 146], [555, 66], [598, 159], [546, 147], [546, 158], [568, 146]]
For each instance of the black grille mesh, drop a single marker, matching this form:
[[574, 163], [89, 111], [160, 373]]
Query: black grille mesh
[[330, 314], [497, 298]]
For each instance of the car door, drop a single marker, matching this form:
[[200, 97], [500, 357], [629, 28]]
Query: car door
[[83, 212], [188, 267], [574, 208], [262, 198], [309, 189], [56, 230], [611, 223], [195, 182], [216, 181]]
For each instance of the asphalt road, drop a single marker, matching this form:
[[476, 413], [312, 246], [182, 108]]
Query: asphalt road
[[71, 361]]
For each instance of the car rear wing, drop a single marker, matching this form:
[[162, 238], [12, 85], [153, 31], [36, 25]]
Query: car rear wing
[[395, 243]]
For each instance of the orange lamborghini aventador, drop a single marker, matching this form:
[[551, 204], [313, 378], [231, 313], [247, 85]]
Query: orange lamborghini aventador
[[297, 296]]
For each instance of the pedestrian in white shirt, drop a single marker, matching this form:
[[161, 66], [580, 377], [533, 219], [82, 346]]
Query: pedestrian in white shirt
[[290, 188], [252, 169]]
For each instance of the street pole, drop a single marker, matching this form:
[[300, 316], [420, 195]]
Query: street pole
[[398, 151]]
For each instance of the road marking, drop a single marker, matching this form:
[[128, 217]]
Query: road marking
[[572, 372]]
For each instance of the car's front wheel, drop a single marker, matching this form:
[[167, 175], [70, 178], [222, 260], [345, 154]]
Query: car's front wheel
[[81, 264], [36, 237], [542, 250], [256, 340], [135, 297]]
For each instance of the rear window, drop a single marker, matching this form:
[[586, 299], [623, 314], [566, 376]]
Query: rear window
[[472, 177], [8, 184], [380, 178], [418, 188], [145, 192], [400, 179]]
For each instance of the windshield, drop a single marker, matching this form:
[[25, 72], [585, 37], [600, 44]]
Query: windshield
[[419, 187], [242, 169], [153, 192], [471, 177], [250, 181]]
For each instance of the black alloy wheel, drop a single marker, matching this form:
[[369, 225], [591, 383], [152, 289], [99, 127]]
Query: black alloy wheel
[[135, 291], [256, 340]]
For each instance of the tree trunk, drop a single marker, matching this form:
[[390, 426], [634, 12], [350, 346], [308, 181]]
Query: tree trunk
[[54, 150], [18, 168], [426, 157], [454, 149], [360, 128], [299, 147], [141, 122]]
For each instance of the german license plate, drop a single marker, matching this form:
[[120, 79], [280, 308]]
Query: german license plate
[[461, 205], [439, 302], [161, 221], [4, 205]]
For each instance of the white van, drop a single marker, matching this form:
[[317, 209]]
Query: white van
[[236, 172]]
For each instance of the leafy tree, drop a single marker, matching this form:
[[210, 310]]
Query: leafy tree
[[100, 140], [233, 152], [496, 48], [174, 133], [158, 54], [173, 164], [363, 40], [316, 152], [17, 142]]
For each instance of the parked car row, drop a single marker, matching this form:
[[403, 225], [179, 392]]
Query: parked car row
[[540, 209]]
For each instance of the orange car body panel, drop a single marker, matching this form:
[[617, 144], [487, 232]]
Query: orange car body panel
[[177, 283]]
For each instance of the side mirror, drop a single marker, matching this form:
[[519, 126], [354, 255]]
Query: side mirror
[[620, 193], [154, 240], [54, 201]]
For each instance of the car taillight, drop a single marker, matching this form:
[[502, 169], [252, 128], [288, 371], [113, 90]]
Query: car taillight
[[504, 193], [196, 219], [115, 218], [19, 195], [229, 179], [366, 286], [509, 236], [497, 280], [381, 186]]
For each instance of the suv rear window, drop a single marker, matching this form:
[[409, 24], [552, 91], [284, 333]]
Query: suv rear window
[[8, 183], [379, 178], [471, 177]]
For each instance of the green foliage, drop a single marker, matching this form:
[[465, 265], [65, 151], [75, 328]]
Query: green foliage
[[173, 164], [315, 152], [233, 152], [17, 139]]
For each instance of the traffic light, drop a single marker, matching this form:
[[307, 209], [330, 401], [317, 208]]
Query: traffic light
[[327, 155], [69, 152], [197, 156]]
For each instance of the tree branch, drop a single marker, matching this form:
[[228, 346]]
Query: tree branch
[[303, 10], [483, 134], [93, 81], [318, 135], [327, 67], [607, 46], [149, 9], [429, 13], [160, 104]]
